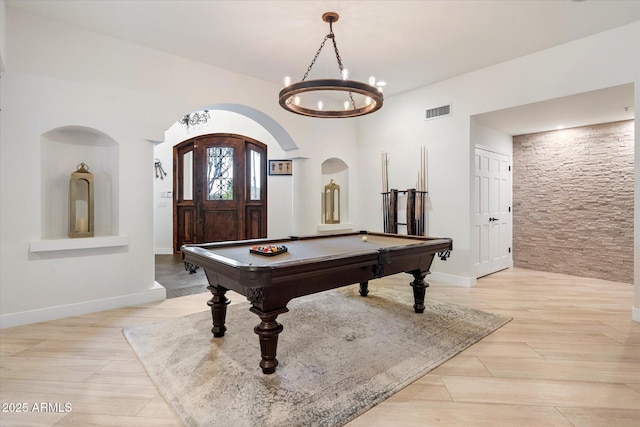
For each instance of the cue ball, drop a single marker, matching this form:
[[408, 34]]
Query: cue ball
[[364, 238]]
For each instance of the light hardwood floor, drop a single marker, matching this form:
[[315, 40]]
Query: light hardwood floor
[[570, 357]]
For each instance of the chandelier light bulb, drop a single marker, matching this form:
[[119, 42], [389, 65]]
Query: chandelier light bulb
[[368, 100], [296, 100], [345, 74], [346, 105], [372, 81], [287, 81], [319, 105]]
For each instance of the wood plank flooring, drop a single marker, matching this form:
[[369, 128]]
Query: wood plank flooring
[[570, 357]]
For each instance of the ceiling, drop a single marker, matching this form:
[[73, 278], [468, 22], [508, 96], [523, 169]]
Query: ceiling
[[599, 106], [408, 44]]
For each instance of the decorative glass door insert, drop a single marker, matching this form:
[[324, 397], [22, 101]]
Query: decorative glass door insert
[[255, 174], [220, 173]]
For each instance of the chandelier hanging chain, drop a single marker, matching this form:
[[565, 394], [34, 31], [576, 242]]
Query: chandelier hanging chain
[[335, 47], [338, 58], [313, 61]]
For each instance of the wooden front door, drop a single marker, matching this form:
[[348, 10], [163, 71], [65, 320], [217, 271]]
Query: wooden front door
[[220, 189]]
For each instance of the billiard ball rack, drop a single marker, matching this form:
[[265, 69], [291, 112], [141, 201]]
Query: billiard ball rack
[[268, 250]]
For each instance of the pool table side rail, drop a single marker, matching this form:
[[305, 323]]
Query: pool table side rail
[[356, 266], [203, 250], [204, 255]]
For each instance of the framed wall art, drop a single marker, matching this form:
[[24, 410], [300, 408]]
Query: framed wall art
[[280, 167]]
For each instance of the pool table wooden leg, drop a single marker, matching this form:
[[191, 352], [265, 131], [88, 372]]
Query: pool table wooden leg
[[364, 289], [218, 304], [268, 330], [419, 288]]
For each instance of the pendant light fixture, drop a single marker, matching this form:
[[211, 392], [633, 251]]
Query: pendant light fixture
[[331, 98]]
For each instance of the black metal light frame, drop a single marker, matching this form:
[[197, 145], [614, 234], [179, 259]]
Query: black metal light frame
[[288, 93]]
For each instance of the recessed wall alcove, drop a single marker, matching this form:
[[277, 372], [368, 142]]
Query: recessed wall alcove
[[62, 150], [337, 170]]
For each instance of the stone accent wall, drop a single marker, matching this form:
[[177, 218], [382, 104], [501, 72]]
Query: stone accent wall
[[573, 201]]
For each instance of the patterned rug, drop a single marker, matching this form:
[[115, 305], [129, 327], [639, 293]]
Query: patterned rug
[[340, 354]]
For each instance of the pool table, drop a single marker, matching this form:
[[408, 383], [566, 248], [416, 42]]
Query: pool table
[[309, 265]]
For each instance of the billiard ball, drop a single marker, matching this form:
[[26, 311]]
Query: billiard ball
[[365, 238]]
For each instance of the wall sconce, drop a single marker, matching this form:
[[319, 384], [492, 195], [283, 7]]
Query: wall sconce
[[81, 222], [332, 203]]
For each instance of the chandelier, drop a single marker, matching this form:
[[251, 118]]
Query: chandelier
[[359, 98]]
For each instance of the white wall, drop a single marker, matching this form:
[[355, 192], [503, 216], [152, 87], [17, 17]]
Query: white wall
[[62, 76], [607, 59], [493, 139], [3, 35]]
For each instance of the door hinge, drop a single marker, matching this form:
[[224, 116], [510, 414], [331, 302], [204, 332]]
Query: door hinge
[[509, 168], [509, 250], [509, 208]]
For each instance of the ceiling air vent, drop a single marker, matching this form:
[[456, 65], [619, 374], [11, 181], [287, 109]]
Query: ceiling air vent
[[434, 113]]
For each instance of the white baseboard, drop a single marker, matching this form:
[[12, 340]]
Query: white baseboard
[[467, 282], [156, 293], [635, 314]]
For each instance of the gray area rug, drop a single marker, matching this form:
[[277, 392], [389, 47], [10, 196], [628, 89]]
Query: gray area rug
[[340, 354]]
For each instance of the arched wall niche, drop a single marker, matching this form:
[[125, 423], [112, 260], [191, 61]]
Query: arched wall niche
[[337, 170], [62, 150]]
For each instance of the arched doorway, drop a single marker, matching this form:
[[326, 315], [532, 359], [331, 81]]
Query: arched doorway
[[220, 188]]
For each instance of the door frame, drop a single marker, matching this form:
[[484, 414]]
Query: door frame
[[246, 208], [508, 262]]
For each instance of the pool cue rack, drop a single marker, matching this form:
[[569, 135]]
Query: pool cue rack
[[415, 211], [416, 218]]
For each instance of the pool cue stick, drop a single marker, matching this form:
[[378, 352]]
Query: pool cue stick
[[426, 189]]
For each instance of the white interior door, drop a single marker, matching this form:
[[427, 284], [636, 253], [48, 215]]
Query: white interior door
[[493, 226]]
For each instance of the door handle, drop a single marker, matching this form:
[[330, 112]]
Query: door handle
[[493, 219]]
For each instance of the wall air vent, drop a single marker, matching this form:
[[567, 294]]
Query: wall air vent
[[434, 113]]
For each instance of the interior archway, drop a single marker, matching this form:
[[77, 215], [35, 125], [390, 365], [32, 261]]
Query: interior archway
[[232, 119], [273, 127]]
